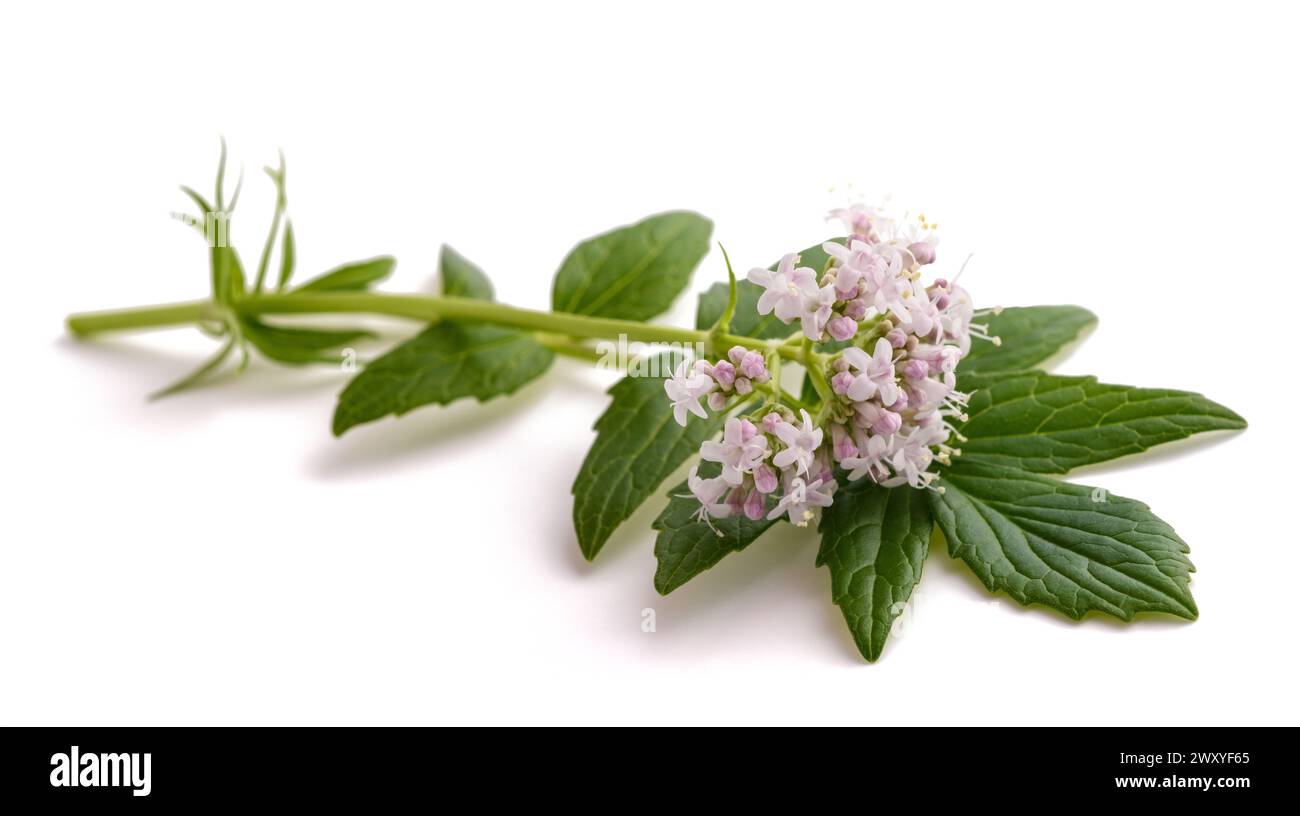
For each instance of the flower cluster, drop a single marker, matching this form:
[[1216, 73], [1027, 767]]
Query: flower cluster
[[718, 383], [887, 391]]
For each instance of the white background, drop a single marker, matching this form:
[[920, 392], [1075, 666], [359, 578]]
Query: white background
[[219, 558]]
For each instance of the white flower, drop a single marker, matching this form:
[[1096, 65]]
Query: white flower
[[800, 498], [870, 461], [685, 388], [876, 373], [782, 288], [792, 293], [912, 458], [741, 450], [801, 444], [709, 492]]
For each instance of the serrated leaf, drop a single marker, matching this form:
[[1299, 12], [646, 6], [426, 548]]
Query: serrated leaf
[[874, 541], [747, 321], [638, 445], [634, 272], [351, 277], [685, 546], [299, 345], [460, 278], [445, 362], [1029, 335], [1070, 547], [1047, 423]]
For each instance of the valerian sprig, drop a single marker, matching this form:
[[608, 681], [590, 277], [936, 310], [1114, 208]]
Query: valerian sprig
[[896, 374]]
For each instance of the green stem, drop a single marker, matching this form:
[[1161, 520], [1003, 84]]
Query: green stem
[[414, 307], [144, 317], [812, 363]]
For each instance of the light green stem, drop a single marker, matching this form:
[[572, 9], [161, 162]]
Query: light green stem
[[423, 308]]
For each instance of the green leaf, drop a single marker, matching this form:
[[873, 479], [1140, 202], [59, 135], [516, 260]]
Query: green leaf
[[460, 278], [633, 272], [227, 274], [199, 374], [1069, 547], [1029, 336], [638, 445], [874, 541], [287, 257], [747, 321], [351, 277], [445, 362], [1046, 423], [686, 546], [297, 345]]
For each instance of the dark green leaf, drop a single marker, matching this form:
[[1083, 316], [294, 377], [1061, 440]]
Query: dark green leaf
[[685, 546], [460, 278], [634, 272], [351, 277], [638, 445], [874, 540], [1047, 423], [1066, 546], [1029, 336], [445, 362], [297, 345]]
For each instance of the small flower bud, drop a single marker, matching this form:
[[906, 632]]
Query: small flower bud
[[717, 400], [887, 423], [752, 366], [916, 370], [743, 386], [897, 338], [842, 444], [900, 403], [842, 382], [755, 505], [725, 373], [770, 422], [842, 328], [765, 477], [922, 251], [736, 354], [856, 309]]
